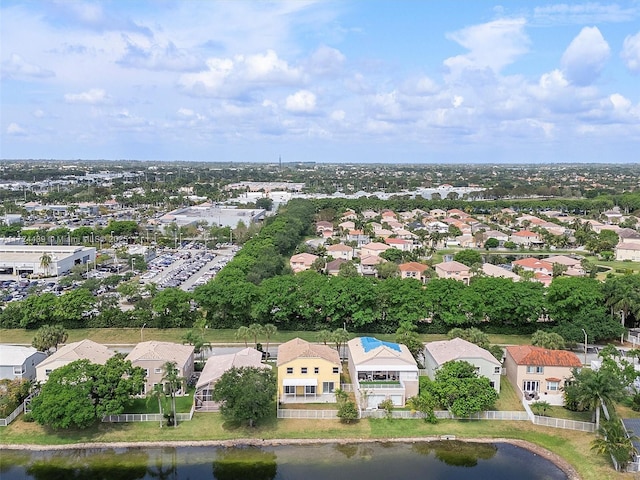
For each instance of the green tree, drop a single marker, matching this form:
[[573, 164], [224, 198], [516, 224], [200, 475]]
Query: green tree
[[79, 394], [491, 243], [156, 394], [407, 335], [425, 404], [550, 340], [247, 394], [269, 330], [593, 388], [615, 441], [255, 330], [324, 336], [459, 389], [48, 337], [340, 337], [172, 308], [468, 257], [45, 262], [243, 333], [172, 382]]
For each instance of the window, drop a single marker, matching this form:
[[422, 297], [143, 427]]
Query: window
[[336, 370], [157, 370], [290, 389], [303, 370], [553, 386], [316, 370], [496, 370], [310, 389], [47, 372], [18, 370], [328, 387], [146, 372], [534, 369], [289, 369], [531, 386]]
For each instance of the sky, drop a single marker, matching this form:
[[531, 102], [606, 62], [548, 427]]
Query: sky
[[367, 81]]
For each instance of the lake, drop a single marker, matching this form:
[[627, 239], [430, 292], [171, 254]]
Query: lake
[[450, 460]]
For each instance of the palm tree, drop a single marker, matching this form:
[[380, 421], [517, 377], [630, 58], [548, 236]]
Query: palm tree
[[45, 262], [173, 381], [616, 441], [255, 329], [269, 331], [324, 336], [157, 393], [340, 337], [595, 388], [243, 333]]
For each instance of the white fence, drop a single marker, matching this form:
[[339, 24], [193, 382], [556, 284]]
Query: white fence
[[404, 414], [308, 414], [566, 424], [145, 417], [12, 416]]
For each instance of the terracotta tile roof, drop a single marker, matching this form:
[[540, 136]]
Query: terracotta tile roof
[[538, 356], [412, 267], [298, 348]]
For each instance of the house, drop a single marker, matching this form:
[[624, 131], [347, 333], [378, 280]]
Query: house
[[539, 373], [413, 270], [526, 238], [382, 370], [19, 362], [628, 235], [349, 215], [534, 265], [368, 264], [491, 270], [457, 349], [456, 270], [369, 214], [346, 226], [323, 226], [214, 368], [400, 244], [302, 261], [333, 267], [574, 267], [82, 350], [340, 250], [628, 251], [358, 236], [307, 372], [373, 248], [498, 235], [153, 355]]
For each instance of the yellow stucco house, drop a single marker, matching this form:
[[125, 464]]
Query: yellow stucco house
[[307, 372]]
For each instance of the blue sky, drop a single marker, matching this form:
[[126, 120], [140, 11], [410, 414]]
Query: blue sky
[[390, 81]]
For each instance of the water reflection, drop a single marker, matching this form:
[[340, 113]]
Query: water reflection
[[244, 463], [456, 453]]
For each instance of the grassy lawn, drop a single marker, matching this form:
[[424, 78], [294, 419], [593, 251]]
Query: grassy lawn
[[561, 412], [127, 336], [143, 405], [508, 400], [573, 446]]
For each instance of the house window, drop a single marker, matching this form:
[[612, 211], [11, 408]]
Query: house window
[[328, 387], [496, 370], [18, 370], [303, 370], [310, 389], [553, 386], [336, 370], [290, 389], [534, 369], [47, 372], [316, 370], [146, 372], [157, 370], [289, 369], [531, 386]]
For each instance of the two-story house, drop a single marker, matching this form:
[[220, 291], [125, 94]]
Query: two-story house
[[307, 372], [19, 362], [152, 357], [82, 350]]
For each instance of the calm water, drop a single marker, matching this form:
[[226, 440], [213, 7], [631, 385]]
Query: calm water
[[373, 461]]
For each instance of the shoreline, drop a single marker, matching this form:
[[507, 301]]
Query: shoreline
[[557, 460]]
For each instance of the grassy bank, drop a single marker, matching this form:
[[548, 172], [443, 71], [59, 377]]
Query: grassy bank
[[125, 336], [573, 446]]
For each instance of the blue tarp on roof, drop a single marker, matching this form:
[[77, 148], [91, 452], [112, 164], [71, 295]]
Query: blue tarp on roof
[[371, 343]]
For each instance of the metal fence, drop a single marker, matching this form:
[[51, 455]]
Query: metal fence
[[12, 416], [562, 423], [145, 417], [308, 414]]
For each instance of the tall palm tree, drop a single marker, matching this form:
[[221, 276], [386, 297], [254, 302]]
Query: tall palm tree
[[340, 337], [324, 336], [596, 388], [45, 262], [173, 381], [269, 331], [157, 394], [255, 329], [243, 333]]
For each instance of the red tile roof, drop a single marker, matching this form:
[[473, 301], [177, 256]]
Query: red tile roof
[[538, 356]]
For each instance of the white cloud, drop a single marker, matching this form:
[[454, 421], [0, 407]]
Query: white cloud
[[16, 130], [326, 61], [152, 56], [457, 101], [302, 101], [581, 13], [39, 113], [491, 45], [585, 57], [338, 115], [16, 67], [631, 52], [226, 76], [91, 97]]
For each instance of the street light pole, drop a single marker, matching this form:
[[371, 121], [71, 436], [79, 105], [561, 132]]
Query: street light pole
[[141, 332], [585, 345]]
